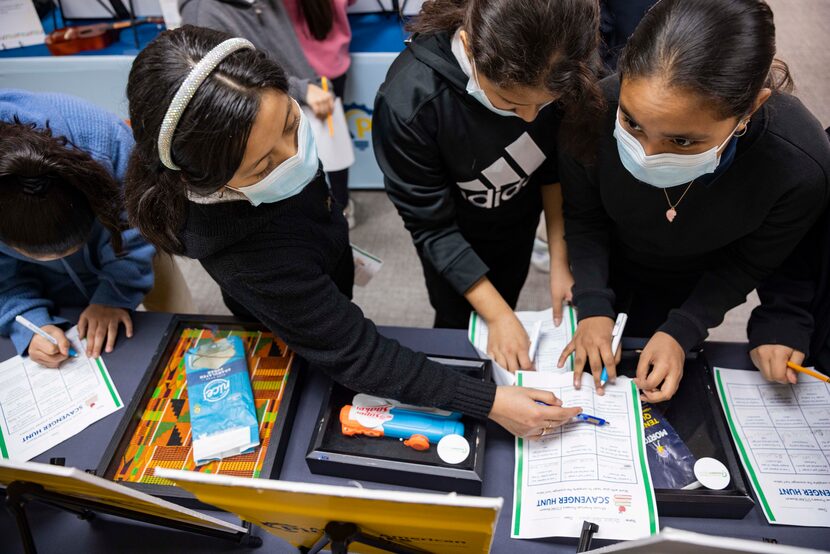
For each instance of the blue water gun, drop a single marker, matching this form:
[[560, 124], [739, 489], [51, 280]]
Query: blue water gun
[[417, 429]]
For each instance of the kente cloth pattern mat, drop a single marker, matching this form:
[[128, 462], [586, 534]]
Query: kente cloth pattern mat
[[162, 438]]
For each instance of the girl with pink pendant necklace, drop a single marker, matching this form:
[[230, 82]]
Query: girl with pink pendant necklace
[[707, 174]]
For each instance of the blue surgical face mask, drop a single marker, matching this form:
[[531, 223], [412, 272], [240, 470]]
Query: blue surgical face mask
[[291, 176], [664, 170]]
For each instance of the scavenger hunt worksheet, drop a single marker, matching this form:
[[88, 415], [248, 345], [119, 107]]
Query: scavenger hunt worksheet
[[581, 471], [782, 434], [551, 340], [41, 407]]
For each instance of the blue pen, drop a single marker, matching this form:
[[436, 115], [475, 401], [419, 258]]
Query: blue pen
[[38, 331], [593, 420], [616, 338], [587, 418]]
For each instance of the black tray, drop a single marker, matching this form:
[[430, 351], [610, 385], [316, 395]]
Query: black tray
[[136, 405], [696, 415], [385, 460]]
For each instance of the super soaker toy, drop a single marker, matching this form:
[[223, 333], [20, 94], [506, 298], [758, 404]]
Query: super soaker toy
[[417, 429]]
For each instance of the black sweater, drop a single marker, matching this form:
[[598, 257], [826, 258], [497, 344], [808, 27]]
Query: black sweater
[[457, 172], [277, 260], [795, 300], [730, 232]]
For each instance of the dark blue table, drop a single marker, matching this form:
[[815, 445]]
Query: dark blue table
[[60, 532]]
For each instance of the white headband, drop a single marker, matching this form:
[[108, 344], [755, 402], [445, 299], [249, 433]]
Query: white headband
[[189, 87]]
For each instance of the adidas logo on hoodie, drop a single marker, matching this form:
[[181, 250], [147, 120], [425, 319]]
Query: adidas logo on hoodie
[[504, 178]]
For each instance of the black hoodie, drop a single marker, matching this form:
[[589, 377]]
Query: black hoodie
[[730, 232], [280, 260], [457, 172]]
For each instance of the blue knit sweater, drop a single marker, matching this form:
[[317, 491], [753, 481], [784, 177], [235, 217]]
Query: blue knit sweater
[[94, 274]]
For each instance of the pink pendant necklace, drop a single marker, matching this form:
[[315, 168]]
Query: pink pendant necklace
[[671, 213]]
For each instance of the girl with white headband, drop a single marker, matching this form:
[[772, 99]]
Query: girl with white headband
[[225, 171]]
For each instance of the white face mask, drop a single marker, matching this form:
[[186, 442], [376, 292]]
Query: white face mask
[[291, 176], [664, 170], [475, 90]]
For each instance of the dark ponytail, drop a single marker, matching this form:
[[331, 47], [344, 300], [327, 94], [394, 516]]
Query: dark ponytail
[[319, 15], [51, 193], [723, 50], [211, 136], [550, 44]]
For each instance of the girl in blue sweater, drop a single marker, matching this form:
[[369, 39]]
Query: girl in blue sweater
[[63, 241]]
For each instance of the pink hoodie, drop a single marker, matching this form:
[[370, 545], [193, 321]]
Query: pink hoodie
[[329, 57]]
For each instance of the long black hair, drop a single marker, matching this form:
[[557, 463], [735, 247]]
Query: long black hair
[[722, 50], [550, 44], [319, 15], [51, 193], [210, 139]]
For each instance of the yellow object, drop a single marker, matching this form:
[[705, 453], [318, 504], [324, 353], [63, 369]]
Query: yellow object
[[810, 372], [298, 512], [79, 484], [329, 119]]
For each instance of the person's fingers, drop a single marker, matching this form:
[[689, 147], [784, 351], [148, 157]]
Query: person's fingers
[[778, 365], [546, 397], [609, 361], [643, 366], [558, 308], [128, 325], [83, 323], [658, 373], [63, 345], [762, 361], [98, 340], [797, 357], [579, 367], [792, 376], [671, 383], [47, 348], [500, 359], [595, 361], [564, 415], [654, 396], [524, 359], [92, 327], [512, 362], [565, 353], [51, 360], [112, 334]]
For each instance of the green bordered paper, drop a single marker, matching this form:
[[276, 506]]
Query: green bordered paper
[[584, 472]]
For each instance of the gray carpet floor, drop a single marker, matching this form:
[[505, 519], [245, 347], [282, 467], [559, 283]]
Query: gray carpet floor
[[397, 295]]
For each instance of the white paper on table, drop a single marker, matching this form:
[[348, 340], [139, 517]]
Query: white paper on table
[[675, 540], [41, 407], [552, 341], [335, 151], [366, 266], [581, 471], [19, 24], [782, 434]]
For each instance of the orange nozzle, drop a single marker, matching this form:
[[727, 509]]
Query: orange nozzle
[[417, 442]]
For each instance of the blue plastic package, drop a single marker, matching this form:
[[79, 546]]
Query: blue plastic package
[[222, 411], [669, 459]]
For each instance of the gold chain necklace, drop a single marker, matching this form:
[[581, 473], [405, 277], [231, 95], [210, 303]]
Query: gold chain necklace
[[671, 213]]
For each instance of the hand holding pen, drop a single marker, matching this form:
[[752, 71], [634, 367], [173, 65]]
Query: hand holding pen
[[593, 344], [49, 346]]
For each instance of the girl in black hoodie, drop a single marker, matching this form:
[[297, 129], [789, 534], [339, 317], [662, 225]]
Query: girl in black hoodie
[[225, 171], [465, 132]]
